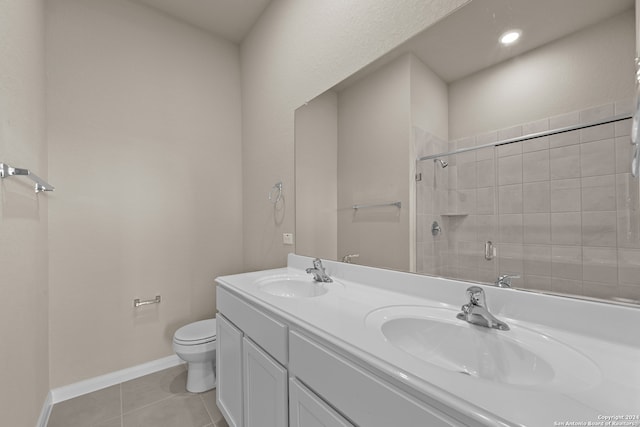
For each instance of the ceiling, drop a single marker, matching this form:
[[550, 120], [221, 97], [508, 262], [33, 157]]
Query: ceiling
[[229, 19], [465, 42]]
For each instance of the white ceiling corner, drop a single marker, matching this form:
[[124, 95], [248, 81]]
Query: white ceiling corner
[[229, 19]]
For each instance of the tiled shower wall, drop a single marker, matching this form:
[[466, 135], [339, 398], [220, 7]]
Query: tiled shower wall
[[563, 211]]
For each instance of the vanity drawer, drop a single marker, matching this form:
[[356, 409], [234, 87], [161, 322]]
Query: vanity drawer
[[359, 395], [264, 330]]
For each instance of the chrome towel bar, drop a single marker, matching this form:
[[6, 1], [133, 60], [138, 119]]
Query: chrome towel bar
[[41, 185], [138, 303], [378, 205]]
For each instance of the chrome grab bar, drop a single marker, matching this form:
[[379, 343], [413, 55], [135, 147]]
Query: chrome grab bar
[[138, 303]]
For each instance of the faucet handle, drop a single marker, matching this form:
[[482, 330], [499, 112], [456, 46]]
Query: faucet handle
[[475, 295], [504, 280]]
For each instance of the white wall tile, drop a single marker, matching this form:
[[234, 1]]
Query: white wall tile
[[599, 229], [624, 106], [566, 262], [628, 293], [564, 120], [487, 228], [628, 229], [467, 201], [510, 199], [535, 166], [623, 128], [510, 227], [536, 144], [537, 228], [566, 228], [510, 170], [597, 158], [509, 149], [486, 173], [467, 175], [485, 203], [627, 192], [541, 283], [623, 149], [629, 266], [598, 112], [599, 193], [537, 260], [599, 289], [564, 139], [566, 286], [597, 133], [511, 260], [600, 265], [536, 197], [565, 162], [565, 195]]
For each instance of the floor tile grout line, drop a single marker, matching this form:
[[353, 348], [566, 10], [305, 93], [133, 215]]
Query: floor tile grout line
[[206, 408], [121, 407], [179, 395], [151, 404], [172, 395]]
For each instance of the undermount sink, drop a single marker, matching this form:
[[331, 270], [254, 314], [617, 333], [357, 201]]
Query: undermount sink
[[292, 286], [518, 357]]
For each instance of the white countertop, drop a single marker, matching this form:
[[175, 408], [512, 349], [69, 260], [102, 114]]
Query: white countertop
[[607, 334]]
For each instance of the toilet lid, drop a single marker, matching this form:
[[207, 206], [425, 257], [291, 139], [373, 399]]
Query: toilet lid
[[203, 330]]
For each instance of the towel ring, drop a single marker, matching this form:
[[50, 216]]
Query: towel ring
[[276, 193]]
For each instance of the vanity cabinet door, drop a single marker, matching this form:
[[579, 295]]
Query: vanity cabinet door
[[308, 410], [365, 398], [229, 371], [265, 388]]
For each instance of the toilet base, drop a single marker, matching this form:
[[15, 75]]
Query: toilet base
[[201, 376]]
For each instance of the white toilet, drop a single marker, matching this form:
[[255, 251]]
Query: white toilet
[[195, 343]]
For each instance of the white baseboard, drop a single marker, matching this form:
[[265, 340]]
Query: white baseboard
[[46, 411], [70, 391]]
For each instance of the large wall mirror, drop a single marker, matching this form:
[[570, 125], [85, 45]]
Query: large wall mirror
[[459, 156]]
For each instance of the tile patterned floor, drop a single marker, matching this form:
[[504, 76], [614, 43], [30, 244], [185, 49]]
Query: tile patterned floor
[[156, 400]]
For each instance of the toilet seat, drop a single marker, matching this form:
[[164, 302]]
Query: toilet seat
[[201, 332]]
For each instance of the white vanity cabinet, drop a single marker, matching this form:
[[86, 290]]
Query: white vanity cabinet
[[306, 409], [252, 355], [265, 388], [229, 371], [271, 376], [358, 394]]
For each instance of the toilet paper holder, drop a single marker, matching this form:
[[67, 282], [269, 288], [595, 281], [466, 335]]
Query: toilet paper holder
[[137, 302]]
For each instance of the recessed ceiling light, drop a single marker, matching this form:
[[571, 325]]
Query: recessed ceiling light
[[510, 37]]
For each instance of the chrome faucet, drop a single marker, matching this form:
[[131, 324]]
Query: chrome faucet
[[318, 272], [476, 312], [504, 281]]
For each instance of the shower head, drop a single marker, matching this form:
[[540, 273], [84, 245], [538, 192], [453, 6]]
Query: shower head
[[442, 163]]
